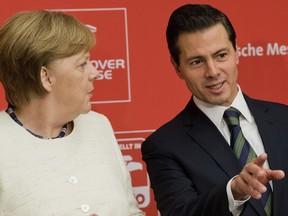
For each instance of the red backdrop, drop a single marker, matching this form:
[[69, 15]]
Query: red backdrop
[[139, 90]]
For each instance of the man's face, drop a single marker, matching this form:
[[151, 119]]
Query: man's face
[[208, 65]]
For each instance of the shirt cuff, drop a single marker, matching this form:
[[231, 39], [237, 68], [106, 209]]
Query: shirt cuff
[[235, 206]]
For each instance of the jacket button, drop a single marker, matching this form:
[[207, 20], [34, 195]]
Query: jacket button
[[73, 180], [85, 208]]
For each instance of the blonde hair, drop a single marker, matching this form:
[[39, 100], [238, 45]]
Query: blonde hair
[[30, 40]]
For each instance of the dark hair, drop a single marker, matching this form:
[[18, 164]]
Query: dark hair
[[191, 18]]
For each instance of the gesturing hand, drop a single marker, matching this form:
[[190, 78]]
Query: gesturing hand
[[252, 179]]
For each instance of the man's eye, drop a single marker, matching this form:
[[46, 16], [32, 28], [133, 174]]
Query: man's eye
[[222, 55], [195, 62]]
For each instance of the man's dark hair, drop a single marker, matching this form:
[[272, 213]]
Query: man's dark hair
[[191, 18]]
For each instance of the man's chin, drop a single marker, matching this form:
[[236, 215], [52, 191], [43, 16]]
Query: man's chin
[[220, 101]]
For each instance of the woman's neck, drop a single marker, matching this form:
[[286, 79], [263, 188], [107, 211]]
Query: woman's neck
[[41, 122]]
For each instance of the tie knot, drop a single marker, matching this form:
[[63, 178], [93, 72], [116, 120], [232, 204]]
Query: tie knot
[[231, 116]]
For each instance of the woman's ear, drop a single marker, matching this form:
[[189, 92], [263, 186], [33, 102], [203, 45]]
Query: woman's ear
[[47, 78], [176, 67]]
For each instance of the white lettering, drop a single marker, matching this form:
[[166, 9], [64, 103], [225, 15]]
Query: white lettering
[[127, 146], [120, 63], [275, 49], [111, 64], [106, 67], [137, 146], [250, 50], [105, 74]]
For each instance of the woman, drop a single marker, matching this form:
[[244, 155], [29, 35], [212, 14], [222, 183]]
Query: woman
[[53, 159]]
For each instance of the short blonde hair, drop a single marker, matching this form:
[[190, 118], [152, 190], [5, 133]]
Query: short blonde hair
[[30, 40]]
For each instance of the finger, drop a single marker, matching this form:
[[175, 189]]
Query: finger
[[254, 169], [275, 174], [253, 182], [260, 160], [266, 175], [263, 176], [244, 188]]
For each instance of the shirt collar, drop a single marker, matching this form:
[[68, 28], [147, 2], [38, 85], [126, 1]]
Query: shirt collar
[[215, 112]]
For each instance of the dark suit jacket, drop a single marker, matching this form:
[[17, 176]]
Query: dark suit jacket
[[189, 162]]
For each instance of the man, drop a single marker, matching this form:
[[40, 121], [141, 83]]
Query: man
[[192, 160]]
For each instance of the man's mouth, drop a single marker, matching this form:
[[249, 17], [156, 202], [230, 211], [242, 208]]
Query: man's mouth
[[216, 87]]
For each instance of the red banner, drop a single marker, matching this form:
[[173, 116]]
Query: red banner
[[138, 89]]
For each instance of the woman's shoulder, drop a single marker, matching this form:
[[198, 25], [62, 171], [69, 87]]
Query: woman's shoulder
[[93, 119], [4, 118], [92, 115]]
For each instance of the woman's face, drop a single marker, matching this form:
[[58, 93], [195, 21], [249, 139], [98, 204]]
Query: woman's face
[[73, 83]]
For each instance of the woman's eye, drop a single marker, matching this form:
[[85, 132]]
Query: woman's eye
[[83, 64]]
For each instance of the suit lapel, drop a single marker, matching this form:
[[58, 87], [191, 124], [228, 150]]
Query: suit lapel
[[206, 134]]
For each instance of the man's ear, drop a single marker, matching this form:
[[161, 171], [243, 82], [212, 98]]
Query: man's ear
[[176, 67], [47, 78], [237, 55]]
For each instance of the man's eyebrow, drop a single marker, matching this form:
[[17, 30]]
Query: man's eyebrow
[[221, 50]]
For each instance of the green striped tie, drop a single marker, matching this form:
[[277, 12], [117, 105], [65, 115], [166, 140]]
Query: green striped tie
[[244, 151]]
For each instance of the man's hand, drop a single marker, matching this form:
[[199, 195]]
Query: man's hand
[[252, 179]]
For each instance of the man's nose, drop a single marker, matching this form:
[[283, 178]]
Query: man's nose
[[212, 69]]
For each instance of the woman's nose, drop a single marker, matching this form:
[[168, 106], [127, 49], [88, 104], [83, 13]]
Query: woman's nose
[[94, 74]]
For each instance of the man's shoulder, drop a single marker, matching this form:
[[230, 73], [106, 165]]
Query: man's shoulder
[[171, 129], [275, 111], [265, 103]]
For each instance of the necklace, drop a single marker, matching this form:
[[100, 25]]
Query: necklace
[[11, 113]]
